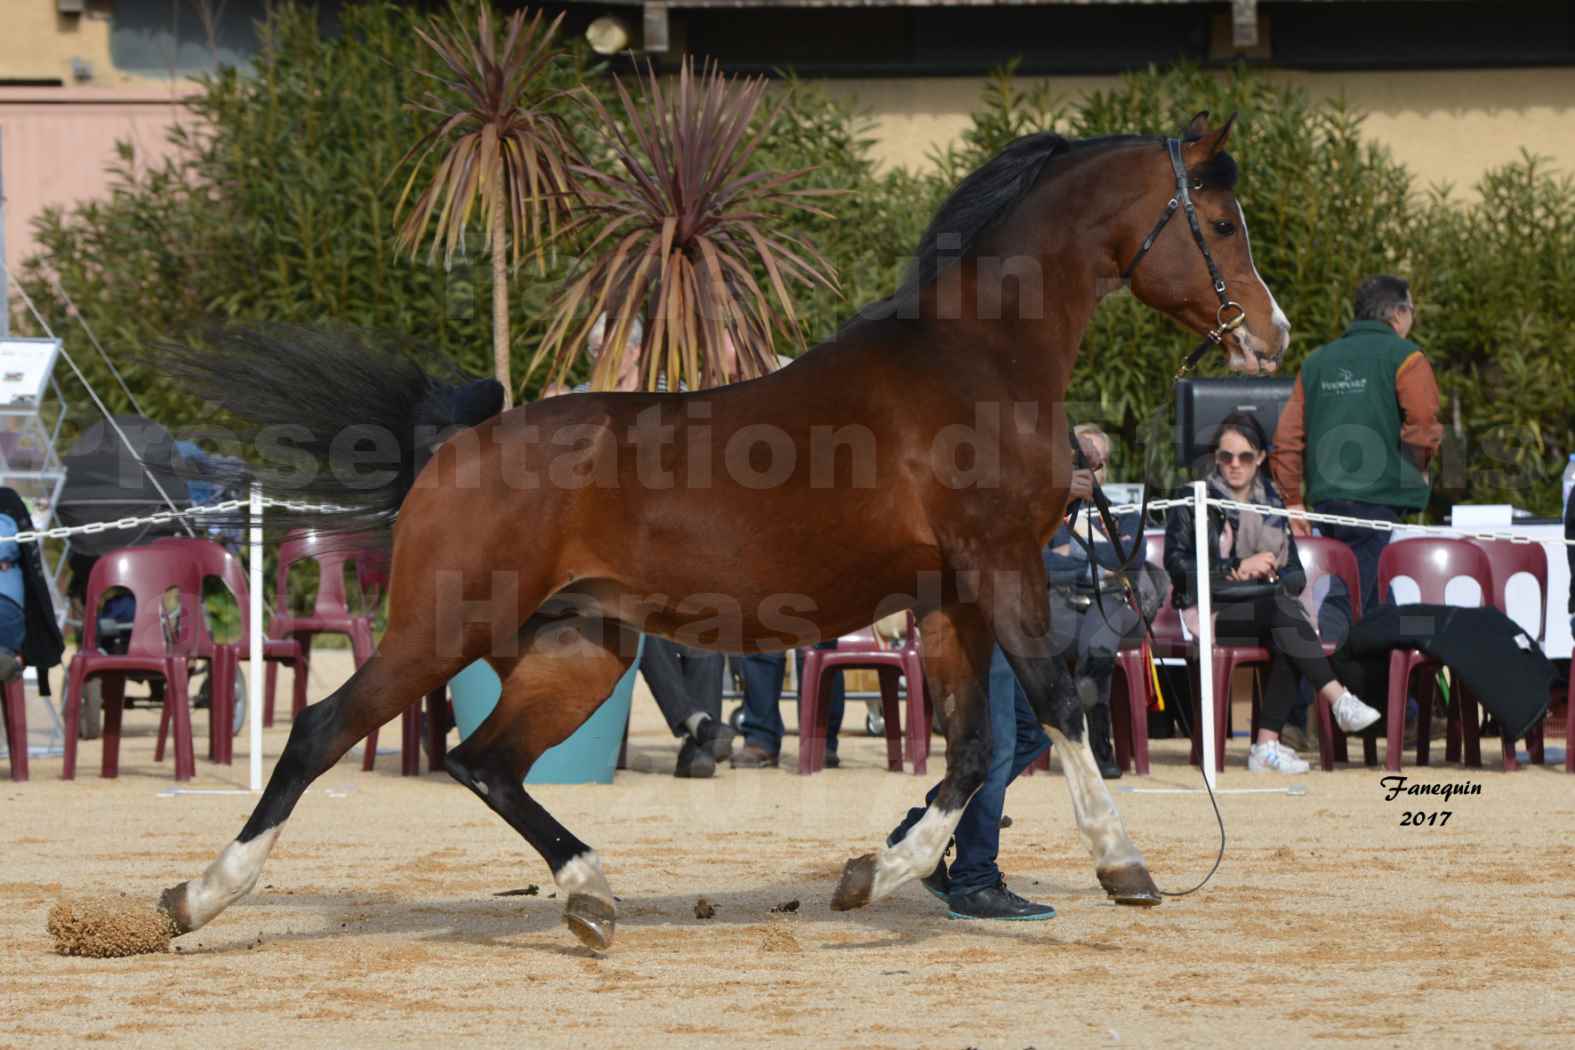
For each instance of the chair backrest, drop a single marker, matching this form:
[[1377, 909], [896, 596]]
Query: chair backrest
[[1323, 557], [148, 573], [213, 559], [1509, 560], [1432, 563], [331, 551]]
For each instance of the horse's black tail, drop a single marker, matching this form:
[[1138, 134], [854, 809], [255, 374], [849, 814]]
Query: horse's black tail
[[328, 416]]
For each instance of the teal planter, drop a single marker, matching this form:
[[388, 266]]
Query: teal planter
[[589, 756]]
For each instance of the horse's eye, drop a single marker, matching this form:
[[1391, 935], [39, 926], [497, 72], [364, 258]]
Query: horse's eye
[[1224, 227]]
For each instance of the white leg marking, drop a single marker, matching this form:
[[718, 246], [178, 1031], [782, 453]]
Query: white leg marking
[[1097, 816], [583, 874], [229, 878], [918, 852]]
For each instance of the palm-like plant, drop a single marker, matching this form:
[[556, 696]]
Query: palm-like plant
[[682, 237], [497, 146]]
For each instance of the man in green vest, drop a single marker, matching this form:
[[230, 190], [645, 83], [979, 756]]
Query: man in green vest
[[1362, 426]]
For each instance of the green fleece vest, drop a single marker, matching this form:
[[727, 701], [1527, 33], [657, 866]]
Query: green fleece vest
[[1353, 420]]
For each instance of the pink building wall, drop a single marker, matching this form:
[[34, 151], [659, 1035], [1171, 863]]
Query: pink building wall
[[59, 143]]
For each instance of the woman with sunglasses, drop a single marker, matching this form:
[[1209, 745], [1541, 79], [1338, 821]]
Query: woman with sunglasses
[[1255, 580]]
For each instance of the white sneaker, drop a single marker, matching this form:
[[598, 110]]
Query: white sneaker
[[1274, 758], [1352, 715]]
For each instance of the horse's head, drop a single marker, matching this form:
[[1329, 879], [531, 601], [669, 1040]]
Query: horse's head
[[1198, 269]]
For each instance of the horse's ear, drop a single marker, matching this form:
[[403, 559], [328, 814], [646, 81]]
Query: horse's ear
[[1220, 136], [1198, 126]]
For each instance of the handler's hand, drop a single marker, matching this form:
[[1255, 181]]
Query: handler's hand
[[1082, 486]]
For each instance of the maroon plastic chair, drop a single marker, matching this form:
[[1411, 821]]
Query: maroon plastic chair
[[863, 650], [1431, 562], [1323, 557], [213, 559], [161, 644], [14, 700], [331, 614], [1510, 559]]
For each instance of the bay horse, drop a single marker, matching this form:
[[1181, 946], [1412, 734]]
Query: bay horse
[[918, 459]]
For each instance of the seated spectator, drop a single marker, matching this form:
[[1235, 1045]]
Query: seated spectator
[[1254, 581], [29, 629], [763, 730]]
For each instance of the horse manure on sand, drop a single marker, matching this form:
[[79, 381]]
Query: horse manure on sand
[[108, 926]]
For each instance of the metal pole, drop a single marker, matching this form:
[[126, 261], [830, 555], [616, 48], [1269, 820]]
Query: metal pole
[[5, 271], [255, 682], [1200, 532]]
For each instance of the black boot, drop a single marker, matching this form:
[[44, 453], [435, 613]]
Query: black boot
[[1098, 719]]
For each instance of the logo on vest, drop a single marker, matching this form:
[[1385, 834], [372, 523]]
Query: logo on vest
[[1347, 383]]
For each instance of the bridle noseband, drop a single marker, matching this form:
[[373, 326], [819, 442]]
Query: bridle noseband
[[1230, 315]]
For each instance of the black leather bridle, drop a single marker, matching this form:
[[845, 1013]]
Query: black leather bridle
[[1230, 315]]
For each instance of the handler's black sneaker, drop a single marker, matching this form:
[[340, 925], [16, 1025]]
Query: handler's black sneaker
[[997, 902]]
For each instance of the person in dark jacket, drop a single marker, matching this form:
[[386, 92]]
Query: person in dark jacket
[[28, 626], [1255, 582]]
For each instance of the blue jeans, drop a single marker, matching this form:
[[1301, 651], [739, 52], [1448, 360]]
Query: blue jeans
[[13, 625], [763, 674], [1016, 739], [1366, 544]]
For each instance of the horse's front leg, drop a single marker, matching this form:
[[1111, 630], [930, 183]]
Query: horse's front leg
[[957, 646], [1023, 630]]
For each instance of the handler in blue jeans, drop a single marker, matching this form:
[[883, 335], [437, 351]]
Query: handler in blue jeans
[[974, 887], [13, 618]]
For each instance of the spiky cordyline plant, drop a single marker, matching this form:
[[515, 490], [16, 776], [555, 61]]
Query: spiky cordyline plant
[[498, 148], [678, 228]]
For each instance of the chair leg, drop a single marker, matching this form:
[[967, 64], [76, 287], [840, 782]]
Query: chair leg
[[1399, 673], [811, 724], [226, 718], [918, 721], [72, 715], [1427, 689], [1325, 716], [1224, 665], [301, 678], [164, 729], [891, 713], [1569, 727], [1139, 701], [1535, 741], [177, 697], [1470, 728], [16, 726], [270, 681], [410, 742], [437, 729], [113, 690]]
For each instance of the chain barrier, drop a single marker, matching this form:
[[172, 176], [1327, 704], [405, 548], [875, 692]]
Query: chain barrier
[[302, 507], [163, 517]]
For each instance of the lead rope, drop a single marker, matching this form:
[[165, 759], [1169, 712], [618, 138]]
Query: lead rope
[[1123, 560]]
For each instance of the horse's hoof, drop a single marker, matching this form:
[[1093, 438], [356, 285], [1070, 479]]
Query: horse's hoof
[[856, 885], [1130, 884], [591, 919], [172, 903]]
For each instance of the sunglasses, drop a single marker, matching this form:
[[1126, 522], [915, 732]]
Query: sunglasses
[[1245, 459]]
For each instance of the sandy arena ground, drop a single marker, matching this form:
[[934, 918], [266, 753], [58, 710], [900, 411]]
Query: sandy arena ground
[[379, 922]]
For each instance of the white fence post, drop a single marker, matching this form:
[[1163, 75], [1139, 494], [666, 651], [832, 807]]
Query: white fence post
[[255, 683], [1200, 531]]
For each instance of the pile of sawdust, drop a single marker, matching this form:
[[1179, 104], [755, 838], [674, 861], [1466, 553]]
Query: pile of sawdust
[[107, 927], [779, 938]]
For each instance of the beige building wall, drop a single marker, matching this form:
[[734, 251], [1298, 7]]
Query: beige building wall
[[38, 43], [1449, 126]]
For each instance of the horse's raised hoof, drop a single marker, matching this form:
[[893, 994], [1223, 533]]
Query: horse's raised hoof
[[591, 919], [1130, 884], [856, 884], [172, 903]]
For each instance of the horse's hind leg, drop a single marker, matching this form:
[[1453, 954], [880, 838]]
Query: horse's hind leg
[[567, 667], [957, 646]]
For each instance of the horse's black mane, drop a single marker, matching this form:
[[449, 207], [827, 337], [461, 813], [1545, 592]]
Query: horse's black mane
[[993, 191]]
